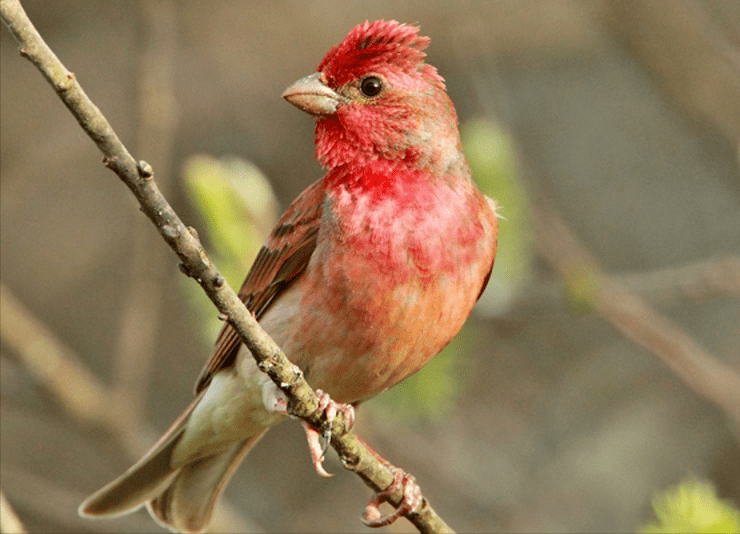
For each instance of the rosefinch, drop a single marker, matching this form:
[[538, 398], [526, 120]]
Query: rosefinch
[[369, 273]]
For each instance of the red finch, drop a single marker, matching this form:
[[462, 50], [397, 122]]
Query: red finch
[[370, 272]]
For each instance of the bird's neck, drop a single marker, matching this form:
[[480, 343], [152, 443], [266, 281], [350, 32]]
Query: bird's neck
[[391, 147]]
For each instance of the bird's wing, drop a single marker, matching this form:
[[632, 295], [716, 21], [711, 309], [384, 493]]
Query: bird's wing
[[280, 261]]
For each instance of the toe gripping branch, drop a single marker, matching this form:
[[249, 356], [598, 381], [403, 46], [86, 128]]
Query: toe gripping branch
[[412, 497], [314, 437], [410, 503]]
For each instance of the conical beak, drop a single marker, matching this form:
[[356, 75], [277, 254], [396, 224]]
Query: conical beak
[[311, 95]]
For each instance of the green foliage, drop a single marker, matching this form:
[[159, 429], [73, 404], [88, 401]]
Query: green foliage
[[580, 286], [692, 506], [237, 208], [235, 202], [492, 156]]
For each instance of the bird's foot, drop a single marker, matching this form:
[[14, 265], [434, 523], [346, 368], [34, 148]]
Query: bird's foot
[[409, 504], [314, 437]]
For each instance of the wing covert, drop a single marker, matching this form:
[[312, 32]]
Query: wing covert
[[280, 261]]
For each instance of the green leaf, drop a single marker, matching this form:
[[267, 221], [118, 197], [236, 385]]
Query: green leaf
[[692, 506], [237, 207], [492, 156], [234, 200]]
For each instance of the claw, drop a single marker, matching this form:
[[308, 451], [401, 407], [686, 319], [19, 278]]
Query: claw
[[409, 504], [316, 450], [330, 409], [330, 412]]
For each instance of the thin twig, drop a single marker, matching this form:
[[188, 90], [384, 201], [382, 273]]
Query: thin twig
[[636, 319], [706, 279], [694, 63], [138, 177], [693, 282], [50, 362], [135, 347], [62, 372]]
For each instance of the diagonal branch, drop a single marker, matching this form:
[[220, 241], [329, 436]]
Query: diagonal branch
[[79, 391], [636, 319], [194, 262], [157, 108]]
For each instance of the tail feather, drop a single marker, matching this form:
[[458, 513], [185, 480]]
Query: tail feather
[[180, 496], [180, 493], [187, 504], [146, 479]]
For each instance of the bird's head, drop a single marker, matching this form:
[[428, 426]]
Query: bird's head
[[375, 98]]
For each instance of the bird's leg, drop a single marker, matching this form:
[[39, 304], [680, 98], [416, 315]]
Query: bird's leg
[[275, 401], [409, 504], [330, 410]]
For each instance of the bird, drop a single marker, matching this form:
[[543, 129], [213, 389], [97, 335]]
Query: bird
[[369, 273]]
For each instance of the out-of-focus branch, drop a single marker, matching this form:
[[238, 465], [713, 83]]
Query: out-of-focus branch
[[9, 521], [693, 62], [61, 371], [54, 365], [149, 262], [138, 177], [705, 279], [636, 319], [702, 280]]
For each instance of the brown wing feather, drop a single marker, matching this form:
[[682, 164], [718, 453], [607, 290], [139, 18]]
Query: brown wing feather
[[280, 261]]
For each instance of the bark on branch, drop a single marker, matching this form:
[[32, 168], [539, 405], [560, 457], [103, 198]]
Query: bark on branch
[[138, 177]]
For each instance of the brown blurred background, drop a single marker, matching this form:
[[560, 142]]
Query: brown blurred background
[[626, 118]]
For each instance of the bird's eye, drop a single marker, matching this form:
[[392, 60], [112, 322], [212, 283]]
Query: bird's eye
[[371, 86]]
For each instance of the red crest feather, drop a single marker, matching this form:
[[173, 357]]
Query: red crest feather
[[373, 46]]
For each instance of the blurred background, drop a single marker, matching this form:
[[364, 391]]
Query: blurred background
[[600, 367]]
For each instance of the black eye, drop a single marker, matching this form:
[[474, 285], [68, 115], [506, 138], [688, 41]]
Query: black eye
[[371, 86]]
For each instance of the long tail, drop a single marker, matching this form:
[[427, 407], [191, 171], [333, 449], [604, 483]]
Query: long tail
[[188, 502], [181, 498]]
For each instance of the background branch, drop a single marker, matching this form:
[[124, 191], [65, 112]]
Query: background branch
[[540, 409], [158, 117], [635, 318], [672, 286], [138, 177], [696, 66], [57, 367], [82, 395]]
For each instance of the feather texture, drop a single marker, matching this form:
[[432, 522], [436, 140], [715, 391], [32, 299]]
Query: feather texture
[[370, 272]]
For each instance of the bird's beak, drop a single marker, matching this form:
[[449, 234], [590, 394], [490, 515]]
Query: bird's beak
[[311, 95]]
